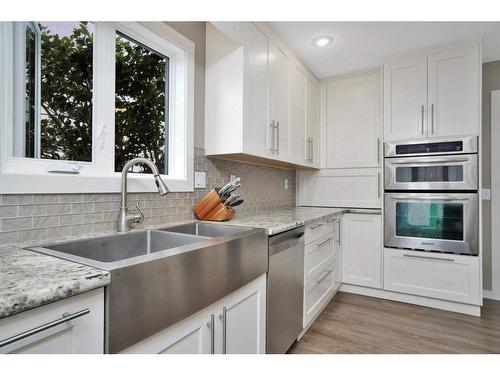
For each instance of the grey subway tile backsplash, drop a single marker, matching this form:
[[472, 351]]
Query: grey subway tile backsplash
[[38, 217]]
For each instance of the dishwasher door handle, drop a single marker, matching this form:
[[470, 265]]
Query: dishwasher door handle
[[285, 244]]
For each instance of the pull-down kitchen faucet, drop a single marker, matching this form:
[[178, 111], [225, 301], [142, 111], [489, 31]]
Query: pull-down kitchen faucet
[[125, 218]]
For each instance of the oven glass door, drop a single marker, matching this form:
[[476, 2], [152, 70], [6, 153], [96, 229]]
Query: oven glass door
[[432, 173], [437, 222]]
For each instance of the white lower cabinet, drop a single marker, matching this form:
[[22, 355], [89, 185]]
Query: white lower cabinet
[[234, 325], [74, 325], [321, 267], [362, 250], [443, 276]]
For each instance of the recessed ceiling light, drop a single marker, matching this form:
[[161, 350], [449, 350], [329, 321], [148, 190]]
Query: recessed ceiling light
[[322, 41]]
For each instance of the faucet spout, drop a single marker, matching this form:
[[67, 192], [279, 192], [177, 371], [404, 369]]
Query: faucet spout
[[125, 218]]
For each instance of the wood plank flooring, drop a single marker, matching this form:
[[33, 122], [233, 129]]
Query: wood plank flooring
[[358, 324]]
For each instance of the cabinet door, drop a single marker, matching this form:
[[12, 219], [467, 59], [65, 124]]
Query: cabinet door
[[192, 335], [279, 99], [243, 320], [312, 122], [362, 250], [405, 99], [83, 333], [353, 122], [453, 108], [298, 116], [257, 132]]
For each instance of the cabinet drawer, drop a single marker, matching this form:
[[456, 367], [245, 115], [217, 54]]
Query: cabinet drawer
[[317, 292], [318, 255], [444, 276], [318, 229]]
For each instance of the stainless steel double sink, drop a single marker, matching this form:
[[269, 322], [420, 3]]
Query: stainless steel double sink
[[159, 277]]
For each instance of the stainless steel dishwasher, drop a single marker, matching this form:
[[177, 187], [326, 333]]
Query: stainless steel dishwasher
[[285, 290]]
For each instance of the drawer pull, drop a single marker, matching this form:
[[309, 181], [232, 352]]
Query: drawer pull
[[65, 318], [432, 258], [313, 227], [324, 242], [324, 277]]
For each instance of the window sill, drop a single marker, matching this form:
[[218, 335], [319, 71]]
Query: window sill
[[71, 183]]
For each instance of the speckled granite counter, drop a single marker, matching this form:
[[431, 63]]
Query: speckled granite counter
[[29, 279], [281, 220]]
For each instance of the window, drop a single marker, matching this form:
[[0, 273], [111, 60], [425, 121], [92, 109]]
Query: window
[[80, 99]]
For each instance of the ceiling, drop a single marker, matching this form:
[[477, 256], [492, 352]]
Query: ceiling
[[363, 45]]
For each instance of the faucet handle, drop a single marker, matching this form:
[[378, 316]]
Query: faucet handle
[[138, 218]]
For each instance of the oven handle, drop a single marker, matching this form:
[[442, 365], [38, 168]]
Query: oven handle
[[433, 198], [440, 161]]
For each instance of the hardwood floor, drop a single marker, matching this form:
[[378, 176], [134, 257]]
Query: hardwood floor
[[358, 324]]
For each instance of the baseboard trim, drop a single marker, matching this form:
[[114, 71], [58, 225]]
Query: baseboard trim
[[414, 300], [489, 294]]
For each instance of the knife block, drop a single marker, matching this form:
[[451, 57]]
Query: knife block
[[220, 213], [209, 202]]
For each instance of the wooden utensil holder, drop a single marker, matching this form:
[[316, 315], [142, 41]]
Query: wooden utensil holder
[[211, 208]]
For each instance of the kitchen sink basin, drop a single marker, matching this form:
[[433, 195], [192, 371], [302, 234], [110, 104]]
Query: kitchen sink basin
[[206, 229], [159, 277], [124, 246]]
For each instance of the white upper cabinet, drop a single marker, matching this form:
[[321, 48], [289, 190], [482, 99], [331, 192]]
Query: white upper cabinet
[[255, 97], [257, 133], [298, 115], [279, 100], [432, 95], [454, 92], [405, 98], [353, 124], [312, 123]]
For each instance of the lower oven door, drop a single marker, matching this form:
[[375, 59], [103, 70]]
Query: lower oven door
[[432, 221]]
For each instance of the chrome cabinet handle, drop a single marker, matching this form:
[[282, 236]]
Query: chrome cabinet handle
[[211, 324], [432, 258], [278, 137], [313, 227], [378, 184], [312, 150], [223, 317], [324, 242], [324, 277], [378, 151], [65, 318], [422, 115], [432, 118], [442, 160], [271, 125]]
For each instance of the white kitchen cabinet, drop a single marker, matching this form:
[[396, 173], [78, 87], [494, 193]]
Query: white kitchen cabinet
[[443, 276], [71, 326], [312, 147], [405, 98], [362, 250], [279, 100], [249, 114], [235, 324], [433, 95], [353, 121], [360, 188], [453, 103], [257, 132], [298, 116]]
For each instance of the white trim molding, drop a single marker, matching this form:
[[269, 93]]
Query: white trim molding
[[495, 196], [25, 175]]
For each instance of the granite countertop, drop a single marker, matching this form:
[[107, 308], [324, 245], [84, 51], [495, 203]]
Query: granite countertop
[[29, 279], [280, 220]]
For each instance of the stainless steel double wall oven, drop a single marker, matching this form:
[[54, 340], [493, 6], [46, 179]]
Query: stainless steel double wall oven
[[431, 195]]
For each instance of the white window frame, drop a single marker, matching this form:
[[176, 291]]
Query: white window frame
[[24, 175]]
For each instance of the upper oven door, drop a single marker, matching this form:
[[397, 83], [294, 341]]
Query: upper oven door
[[446, 222], [451, 172]]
